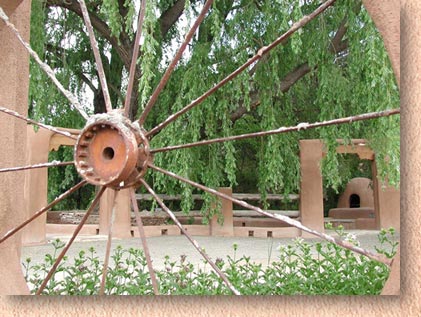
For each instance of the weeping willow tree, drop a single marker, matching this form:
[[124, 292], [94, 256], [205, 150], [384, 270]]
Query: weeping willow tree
[[336, 66]]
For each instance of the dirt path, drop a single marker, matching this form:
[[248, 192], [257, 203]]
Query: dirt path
[[260, 250]]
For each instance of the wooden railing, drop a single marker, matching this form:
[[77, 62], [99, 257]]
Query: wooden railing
[[236, 213], [236, 222], [255, 197]]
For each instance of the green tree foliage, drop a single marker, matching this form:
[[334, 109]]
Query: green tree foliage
[[335, 66]]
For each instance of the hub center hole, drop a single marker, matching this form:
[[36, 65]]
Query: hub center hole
[[108, 153]]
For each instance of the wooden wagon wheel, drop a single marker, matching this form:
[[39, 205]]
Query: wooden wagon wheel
[[114, 152]]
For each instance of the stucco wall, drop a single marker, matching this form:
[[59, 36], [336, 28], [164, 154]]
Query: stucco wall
[[14, 76]]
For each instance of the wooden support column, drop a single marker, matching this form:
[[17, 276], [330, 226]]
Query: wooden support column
[[36, 185], [386, 203], [311, 186], [105, 206], [121, 224], [376, 192], [390, 208], [227, 228], [14, 82]]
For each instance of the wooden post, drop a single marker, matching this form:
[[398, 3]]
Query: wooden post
[[105, 206], [386, 203], [121, 224], [376, 193], [227, 228], [36, 185], [311, 186]]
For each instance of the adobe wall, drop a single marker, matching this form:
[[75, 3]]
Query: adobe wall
[[14, 79], [36, 184]]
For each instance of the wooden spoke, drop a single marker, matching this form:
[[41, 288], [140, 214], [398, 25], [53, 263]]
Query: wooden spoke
[[263, 51], [47, 69], [42, 210], [288, 220], [301, 126], [144, 242], [69, 243], [193, 242], [174, 62], [94, 45], [108, 247], [127, 104], [39, 124], [40, 165]]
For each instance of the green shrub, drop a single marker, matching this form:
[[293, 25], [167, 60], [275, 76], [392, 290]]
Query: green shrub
[[301, 268]]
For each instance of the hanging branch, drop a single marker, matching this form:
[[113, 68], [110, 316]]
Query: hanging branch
[[174, 62], [47, 69], [261, 52]]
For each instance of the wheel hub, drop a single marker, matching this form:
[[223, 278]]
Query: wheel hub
[[112, 151]]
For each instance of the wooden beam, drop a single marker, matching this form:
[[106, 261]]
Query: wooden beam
[[57, 140]]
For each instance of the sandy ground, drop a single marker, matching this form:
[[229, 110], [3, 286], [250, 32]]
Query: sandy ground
[[260, 250]]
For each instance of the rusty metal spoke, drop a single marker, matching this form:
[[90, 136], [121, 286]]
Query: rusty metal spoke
[[47, 69], [41, 125], [301, 126], [132, 72], [42, 210], [69, 243], [193, 242], [94, 44], [108, 247], [174, 62], [285, 219], [261, 52], [40, 165], [144, 242]]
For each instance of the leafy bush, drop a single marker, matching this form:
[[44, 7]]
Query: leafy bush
[[301, 268]]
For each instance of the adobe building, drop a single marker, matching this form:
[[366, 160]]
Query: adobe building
[[385, 202]]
